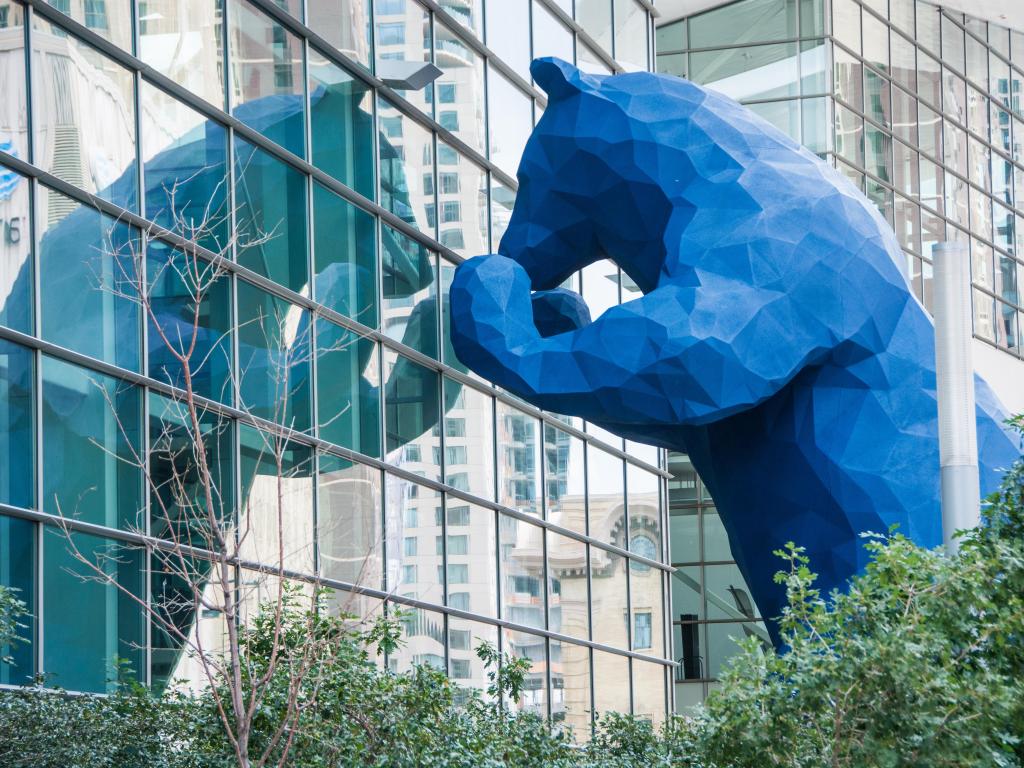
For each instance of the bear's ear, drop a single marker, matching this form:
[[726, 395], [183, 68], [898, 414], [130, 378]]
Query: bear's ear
[[558, 78]]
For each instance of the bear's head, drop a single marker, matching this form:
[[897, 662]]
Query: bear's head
[[617, 167]]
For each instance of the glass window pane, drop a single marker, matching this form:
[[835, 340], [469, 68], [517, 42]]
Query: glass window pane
[[644, 503], [464, 637], [413, 528], [403, 33], [345, 256], [687, 598], [412, 411], [567, 586], [741, 73], [649, 692], [519, 446], [17, 485], [503, 199], [185, 165], [463, 71], [508, 26], [185, 44], [727, 594], [345, 24], [608, 595], [570, 688], [684, 536], [550, 36], [409, 287], [276, 513], [110, 20], [606, 491], [87, 263], [611, 683], [177, 485], [83, 116], [341, 111], [406, 168], [172, 598], [511, 121], [631, 35], [273, 357], [876, 42], [267, 91], [747, 22], [533, 648], [191, 303], [14, 106], [16, 279], [595, 16], [522, 572], [472, 558], [349, 533], [91, 626], [469, 439], [91, 443], [18, 573], [462, 201], [348, 401], [724, 639], [270, 197], [423, 638], [564, 479], [645, 594]]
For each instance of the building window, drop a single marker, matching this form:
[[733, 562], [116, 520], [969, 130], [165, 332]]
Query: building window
[[409, 546], [446, 155], [453, 238], [458, 545], [391, 33], [454, 427], [449, 183], [642, 626], [451, 210], [459, 600], [458, 515], [461, 669], [458, 573], [456, 454], [449, 120], [446, 93], [96, 14], [391, 127]]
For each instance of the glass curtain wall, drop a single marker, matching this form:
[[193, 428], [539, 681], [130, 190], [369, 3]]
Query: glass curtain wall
[[338, 214]]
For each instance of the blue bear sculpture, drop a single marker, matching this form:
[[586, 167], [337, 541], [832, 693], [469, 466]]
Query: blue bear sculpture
[[777, 341]]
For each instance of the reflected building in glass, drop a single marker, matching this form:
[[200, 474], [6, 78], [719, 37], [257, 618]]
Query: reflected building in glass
[[920, 107], [257, 135]]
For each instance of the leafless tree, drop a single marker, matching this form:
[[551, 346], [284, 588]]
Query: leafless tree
[[194, 536]]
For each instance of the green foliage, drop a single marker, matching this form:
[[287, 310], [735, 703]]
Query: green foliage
[[12, 611]]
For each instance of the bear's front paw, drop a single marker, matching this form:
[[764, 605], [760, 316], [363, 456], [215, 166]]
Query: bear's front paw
[[559, 311]]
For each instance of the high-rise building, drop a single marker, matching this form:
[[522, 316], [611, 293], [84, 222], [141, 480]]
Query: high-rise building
[[336, 208], [921, 107]]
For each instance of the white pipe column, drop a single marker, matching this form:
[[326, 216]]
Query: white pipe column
[[954, 369]]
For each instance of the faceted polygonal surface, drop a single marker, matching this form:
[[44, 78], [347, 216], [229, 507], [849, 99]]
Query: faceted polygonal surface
[[777, 340]]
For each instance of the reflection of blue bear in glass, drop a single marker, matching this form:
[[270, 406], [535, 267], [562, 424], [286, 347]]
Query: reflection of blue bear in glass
[[777, 341]]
